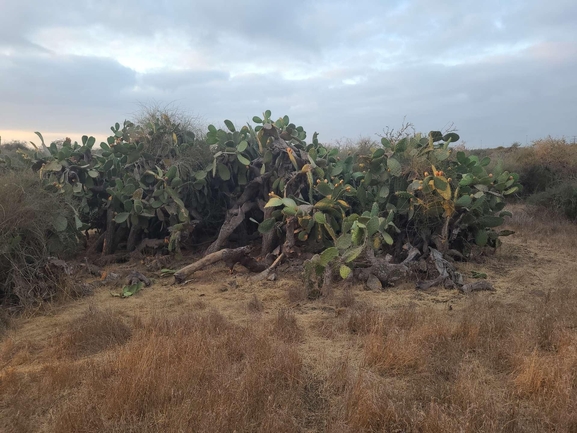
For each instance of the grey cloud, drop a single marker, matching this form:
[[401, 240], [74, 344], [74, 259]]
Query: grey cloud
[[432, 60], [173, 81], [60, 91]]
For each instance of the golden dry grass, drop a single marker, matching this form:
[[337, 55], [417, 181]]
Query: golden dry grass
[[397, 361]]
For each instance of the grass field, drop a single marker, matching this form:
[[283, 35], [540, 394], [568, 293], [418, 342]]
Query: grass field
[[222, 354]]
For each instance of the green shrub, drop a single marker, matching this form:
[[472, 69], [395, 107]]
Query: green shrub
[[562, 198], [547, 163], [547, 170], [538, 178]]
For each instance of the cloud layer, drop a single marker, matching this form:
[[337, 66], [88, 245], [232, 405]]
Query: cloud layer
[[500, 71]]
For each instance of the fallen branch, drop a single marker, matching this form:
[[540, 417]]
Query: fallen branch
[[113, 258], [426, 285], [248, 262], [265, 274], [450, 278], [448, 275], [232, 255], [136, 277], [384, 270], [477, 286]]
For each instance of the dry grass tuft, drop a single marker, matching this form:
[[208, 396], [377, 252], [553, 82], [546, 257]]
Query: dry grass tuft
[[286, 328], [346, 299], [255, 305], [93, 331], [297, 293]]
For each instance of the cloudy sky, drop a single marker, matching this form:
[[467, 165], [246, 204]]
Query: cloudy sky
[[501, 71]]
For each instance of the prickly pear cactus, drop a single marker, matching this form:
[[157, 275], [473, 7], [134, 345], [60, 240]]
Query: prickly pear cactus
[[267, 177]]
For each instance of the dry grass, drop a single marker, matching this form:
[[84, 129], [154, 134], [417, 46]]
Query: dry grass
[[297, 293], [93, 331], [492, 363], [485, 368], [488, 367], [543, 225], [187, 373]]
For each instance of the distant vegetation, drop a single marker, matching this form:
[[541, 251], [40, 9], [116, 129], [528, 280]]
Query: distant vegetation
[[547, 170]]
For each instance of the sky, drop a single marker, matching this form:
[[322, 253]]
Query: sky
[[499, 71]]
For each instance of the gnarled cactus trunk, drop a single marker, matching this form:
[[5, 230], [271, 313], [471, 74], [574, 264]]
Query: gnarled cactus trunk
[[268, 239], [108, 247], [236, 214], [133, 238], [234, 218]]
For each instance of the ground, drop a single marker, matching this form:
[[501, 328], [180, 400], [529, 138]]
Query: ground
[[222, 353]]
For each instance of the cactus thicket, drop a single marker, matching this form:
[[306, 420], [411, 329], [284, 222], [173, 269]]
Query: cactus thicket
[[265, 180]]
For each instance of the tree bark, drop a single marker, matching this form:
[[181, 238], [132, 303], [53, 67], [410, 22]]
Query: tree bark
[[120, 233], [268, 239], [133, 238], [96, 247], [108, 247], [236, 214], [288, 247], [234, 217]]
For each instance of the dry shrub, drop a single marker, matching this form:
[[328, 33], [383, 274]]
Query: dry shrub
[[362, 146], [557, 154], [29, 217], [547, 170], [347, 298], [93, 331], [545, 163], [5, 322]]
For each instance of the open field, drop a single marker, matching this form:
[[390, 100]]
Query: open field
[[222, 354]]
